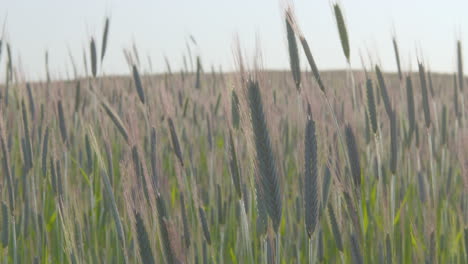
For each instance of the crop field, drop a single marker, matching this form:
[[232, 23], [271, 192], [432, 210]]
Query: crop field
[[197, 165]]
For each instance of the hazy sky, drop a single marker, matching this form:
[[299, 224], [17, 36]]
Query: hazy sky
[[161, 28]]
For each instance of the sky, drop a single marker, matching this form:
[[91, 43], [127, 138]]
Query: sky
[[425, 29]]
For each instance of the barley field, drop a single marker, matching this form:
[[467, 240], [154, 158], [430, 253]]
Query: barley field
[[198, 165]]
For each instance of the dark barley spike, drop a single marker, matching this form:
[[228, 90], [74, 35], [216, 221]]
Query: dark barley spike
[[218, 101], [138, 84], [326, 186], [261, 221], [393, 143], [371, 108], [353, 155], [27, 137], [355, 250], [293, 51], [455, 99], [77, 96], [269, 179], [312, 64], [460, 65], [32, 108], [198, 81], [397, 57], [367, 127], [425, 97], [233, 165], [184, 113], [185, 221], [116, 120], [342, 30], [93, 58], [104, 39], [335, 228], [235, 110], [206, 231], [45, 148], [63, 128], [139, 171], [7, 170], [310, 178], [26, 157], [47, 66], [175, 141], [154, 160], [383, 91], [163, 229], [410, 106], [444, 125], [143, 241], [431, 87], [5, 224]]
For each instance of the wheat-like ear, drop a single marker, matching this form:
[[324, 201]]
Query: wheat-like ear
[[77, 96], [153, 160], [335, 228], [444, 125], [371, 108], [460, 66], [198, 76], [116, 120], [234, 110], [204, 223], [104, 38], [234, 166], [175, 141], [455, 98], [93, 58], [144, 244], [138, 84], [45, 148], [165, 241], [342, 31], [410, 106], [185, 221], [425, 96], [383, 91], [62, 125], [265, 161], [27, 138], [293, 51], [310, 177], [397, 57], [353, 155], [312, 64], [32, 108]]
